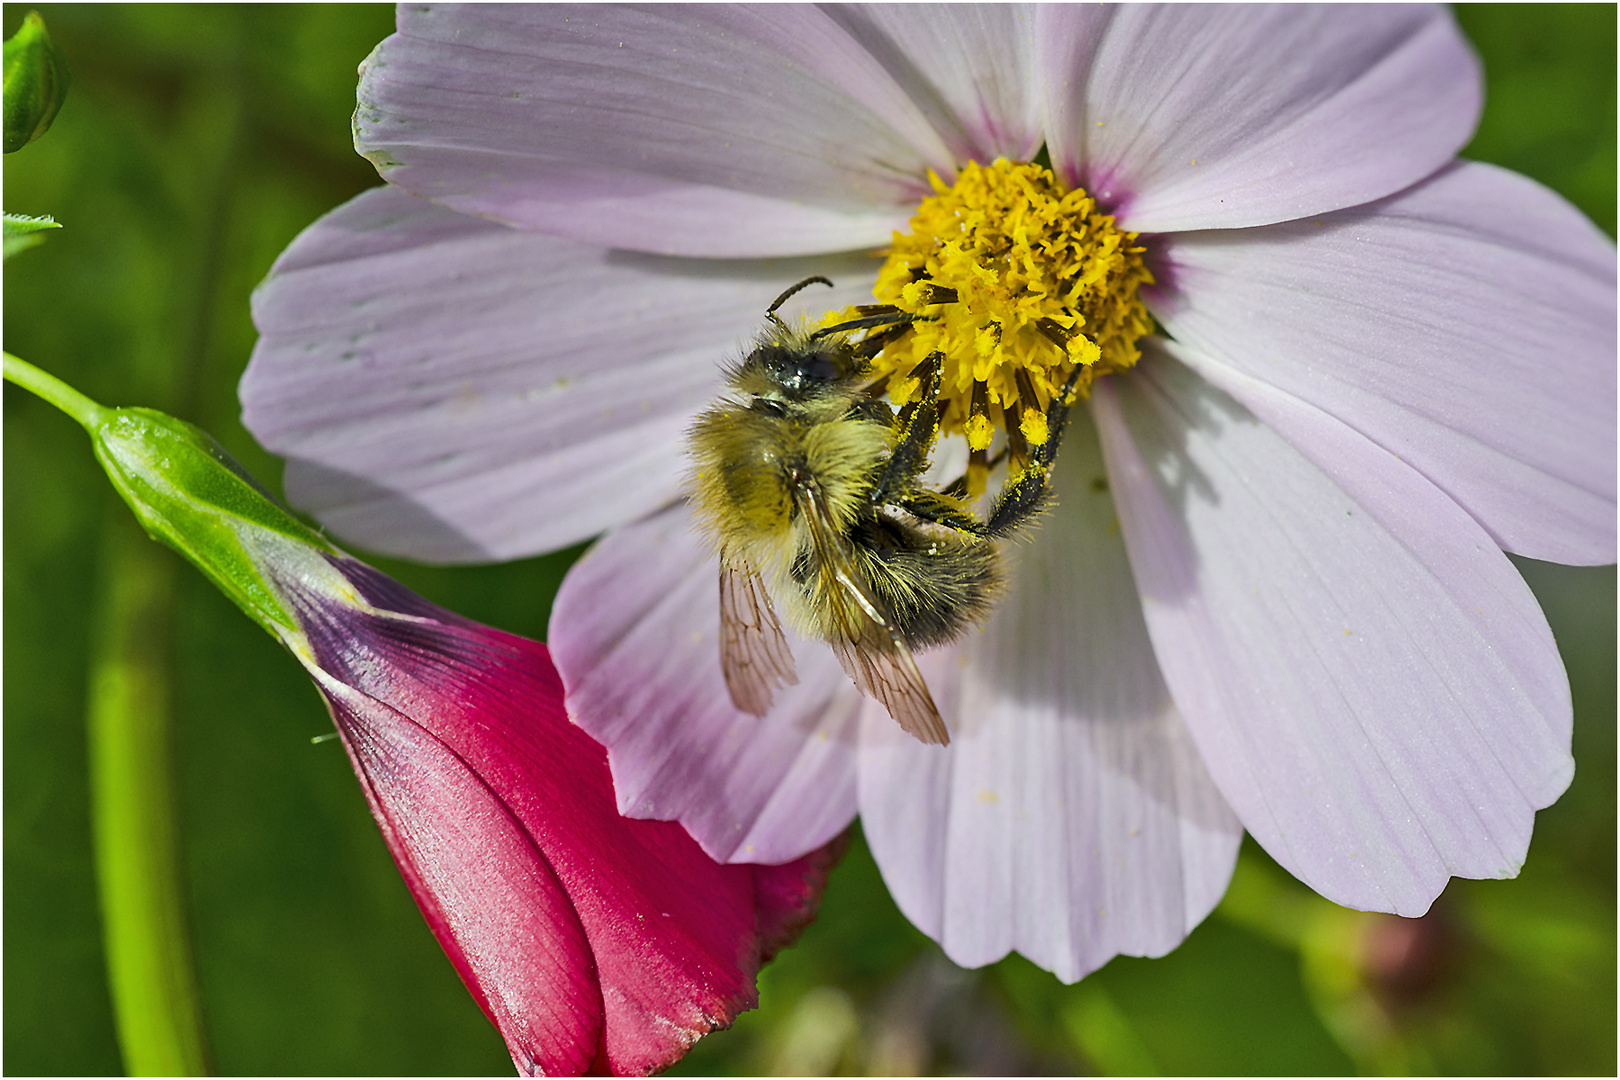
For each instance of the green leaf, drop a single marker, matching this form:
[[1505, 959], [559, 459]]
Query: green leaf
[[36, 83], [23, 232]]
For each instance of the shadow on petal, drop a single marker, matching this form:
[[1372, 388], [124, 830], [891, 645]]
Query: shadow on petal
[[361, 510]]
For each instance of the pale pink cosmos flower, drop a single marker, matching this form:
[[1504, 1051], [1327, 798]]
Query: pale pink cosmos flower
[[1273, 595]]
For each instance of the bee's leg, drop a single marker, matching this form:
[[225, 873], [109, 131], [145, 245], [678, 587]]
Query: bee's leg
[[1022, 497], [1027, 492], [942, 509], [872, 315], [869, 315], [917, 424], [872, 344]]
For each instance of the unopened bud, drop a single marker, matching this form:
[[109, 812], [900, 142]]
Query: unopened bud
[[36, 83], [192, 495]]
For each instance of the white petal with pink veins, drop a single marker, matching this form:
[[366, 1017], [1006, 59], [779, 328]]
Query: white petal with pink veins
[[635, 633], [1200, 116], [1070, 819], [709, 131], [970, 68], [453, 390], [1466, 325], [1368, 679]]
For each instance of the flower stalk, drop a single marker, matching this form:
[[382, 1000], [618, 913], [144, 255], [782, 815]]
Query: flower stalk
[[149, 967], [133, 815], [54, 390]]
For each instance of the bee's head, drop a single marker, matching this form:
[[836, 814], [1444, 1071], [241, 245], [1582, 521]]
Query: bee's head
[[797, 367]]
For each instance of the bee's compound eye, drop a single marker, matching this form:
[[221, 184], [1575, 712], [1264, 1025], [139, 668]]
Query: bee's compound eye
[[817, 367]]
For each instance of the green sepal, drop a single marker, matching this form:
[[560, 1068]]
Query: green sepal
[[192, 495], [36, 83], [23, 232]]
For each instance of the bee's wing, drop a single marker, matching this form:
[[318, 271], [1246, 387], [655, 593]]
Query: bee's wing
[[869, 647], [753, 650], [883, 667]]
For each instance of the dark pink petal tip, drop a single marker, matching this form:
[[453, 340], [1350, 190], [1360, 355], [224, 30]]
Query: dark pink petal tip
[[595, 943], [788, 896]]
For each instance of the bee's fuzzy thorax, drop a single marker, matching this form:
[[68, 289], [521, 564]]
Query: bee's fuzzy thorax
[[747, 462]]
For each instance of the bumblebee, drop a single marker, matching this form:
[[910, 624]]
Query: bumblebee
[[810, 485]]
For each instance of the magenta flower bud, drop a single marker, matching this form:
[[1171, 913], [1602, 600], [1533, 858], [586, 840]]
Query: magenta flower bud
[[593, 942]]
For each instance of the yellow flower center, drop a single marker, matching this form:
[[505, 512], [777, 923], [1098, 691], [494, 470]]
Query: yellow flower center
[[1015, 283]]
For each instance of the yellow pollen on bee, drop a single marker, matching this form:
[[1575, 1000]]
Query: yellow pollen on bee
[[1007, 274]]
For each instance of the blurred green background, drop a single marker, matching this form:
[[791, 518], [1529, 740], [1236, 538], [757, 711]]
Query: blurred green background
[[195, 143]]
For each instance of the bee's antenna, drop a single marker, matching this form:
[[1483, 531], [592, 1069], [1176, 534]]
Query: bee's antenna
[[770, 312]]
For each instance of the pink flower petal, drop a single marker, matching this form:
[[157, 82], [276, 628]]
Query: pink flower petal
[[1070, 819], [635, 631], [710, 131], [501, 815], [969, 67], [486, 890], [787, 896], [1466, 325], [1205, 116], [453, 390], [1367, 678]]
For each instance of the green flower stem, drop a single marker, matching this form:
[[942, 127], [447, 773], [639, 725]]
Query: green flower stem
[[55, 391], [149, 969]]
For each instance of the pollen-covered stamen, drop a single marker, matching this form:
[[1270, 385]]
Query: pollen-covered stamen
[[1015, 282], [979, 428], [1017, 445], [901, 392], [929, 292], [1032, 428], [1056, 333]]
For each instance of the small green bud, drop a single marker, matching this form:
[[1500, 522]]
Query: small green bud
[[192, 495], [36, 82]]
